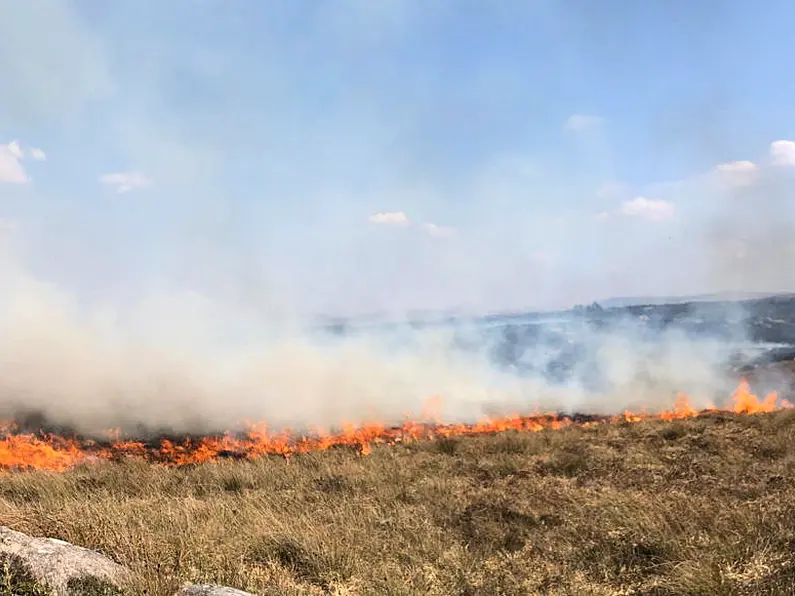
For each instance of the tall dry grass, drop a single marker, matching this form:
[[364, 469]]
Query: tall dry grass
[[704, 506]]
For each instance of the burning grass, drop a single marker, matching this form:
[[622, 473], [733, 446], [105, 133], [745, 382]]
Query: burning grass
[[698, 505], [48, 451]]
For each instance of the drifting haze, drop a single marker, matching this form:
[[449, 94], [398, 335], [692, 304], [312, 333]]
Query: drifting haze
[[184, 190]]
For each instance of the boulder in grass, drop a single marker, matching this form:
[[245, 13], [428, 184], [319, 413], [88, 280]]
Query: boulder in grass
[[48, 567], [210, 590]]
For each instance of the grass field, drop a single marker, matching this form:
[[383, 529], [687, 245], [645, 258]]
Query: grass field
[[700, 506]]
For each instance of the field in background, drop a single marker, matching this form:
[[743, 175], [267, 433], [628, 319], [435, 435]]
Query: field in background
[[698, 506]]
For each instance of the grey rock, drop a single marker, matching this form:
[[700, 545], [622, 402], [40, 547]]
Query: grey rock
[[210, 590], [58, 564]]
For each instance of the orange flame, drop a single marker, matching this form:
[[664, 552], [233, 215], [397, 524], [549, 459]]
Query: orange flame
[[20, 451]]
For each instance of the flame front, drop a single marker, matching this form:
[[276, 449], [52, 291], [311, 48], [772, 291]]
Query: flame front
[[20, 451]]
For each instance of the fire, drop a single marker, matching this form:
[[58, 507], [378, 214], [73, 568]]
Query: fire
[[24, 451], [745, 402]]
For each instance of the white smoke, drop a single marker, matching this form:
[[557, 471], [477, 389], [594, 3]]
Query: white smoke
[[187, 363]]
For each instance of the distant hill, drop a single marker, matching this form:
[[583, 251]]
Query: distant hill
[[659, 300], [440, 317]]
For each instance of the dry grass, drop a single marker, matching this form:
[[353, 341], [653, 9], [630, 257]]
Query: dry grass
[[704, 506]]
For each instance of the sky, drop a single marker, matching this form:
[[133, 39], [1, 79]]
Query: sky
[[362, 157]]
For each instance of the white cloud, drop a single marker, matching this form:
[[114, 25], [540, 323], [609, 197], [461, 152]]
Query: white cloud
[[15, 149], [651, 209], [11, 170], [37, 154], [579, 122], [783, 153], [125, 181], [439, 231], [737, 173], [603, 216], [397, 218]]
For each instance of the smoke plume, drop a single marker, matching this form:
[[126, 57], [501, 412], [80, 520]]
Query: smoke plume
[[183, 362]]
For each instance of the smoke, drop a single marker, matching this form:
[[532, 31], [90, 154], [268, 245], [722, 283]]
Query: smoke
[[748, 238], [185, 362]]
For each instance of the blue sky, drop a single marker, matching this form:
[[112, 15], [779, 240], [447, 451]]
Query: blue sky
[[365, 156]]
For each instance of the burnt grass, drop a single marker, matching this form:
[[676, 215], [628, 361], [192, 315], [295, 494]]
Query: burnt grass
[[701, 506]]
